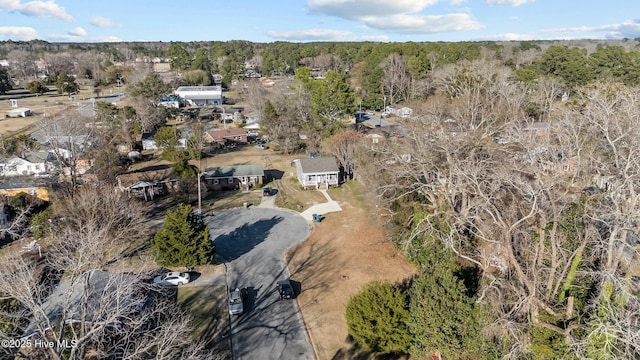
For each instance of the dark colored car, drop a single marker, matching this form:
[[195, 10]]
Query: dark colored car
[[285, 289], [267, 191]]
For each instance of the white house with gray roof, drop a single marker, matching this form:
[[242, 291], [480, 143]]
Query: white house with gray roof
[[31, 163], [318, 172]]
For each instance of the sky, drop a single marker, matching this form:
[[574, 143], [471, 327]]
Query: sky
[[266, 21]]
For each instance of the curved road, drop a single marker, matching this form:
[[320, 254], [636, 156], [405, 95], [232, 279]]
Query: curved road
[[252, 242]]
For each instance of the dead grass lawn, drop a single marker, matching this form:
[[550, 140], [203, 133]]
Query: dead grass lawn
[[345, 251]]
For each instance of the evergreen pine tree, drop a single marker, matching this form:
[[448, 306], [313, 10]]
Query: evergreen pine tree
[[183, 240], [376, 318]]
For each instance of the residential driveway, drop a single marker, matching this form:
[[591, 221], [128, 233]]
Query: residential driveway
[[327, 207], [252, 242]]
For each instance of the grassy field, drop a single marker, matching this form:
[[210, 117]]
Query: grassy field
[[49, 103]]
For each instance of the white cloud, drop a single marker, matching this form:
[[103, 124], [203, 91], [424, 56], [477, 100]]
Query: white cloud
[[100, 21], [311, 35], [628, 29], [36, 8], [399, 16], [78, 31], [356, 9], [509, 2], [424, 24], [18, 33]]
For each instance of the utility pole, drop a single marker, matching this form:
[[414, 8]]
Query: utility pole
[[384, 108], [199, 191], [199, 195]]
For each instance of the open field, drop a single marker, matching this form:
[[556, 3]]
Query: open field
[[50, 103]]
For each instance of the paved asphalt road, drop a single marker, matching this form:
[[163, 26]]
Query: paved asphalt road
[[372, 120], [252, 242]]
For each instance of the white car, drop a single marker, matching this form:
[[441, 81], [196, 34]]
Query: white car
[[172, 278]]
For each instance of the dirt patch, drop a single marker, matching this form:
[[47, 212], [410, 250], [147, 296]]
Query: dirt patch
[[345, 251]]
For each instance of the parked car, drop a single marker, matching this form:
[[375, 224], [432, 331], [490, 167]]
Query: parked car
[[236, 301], [285, 289], [261, 147], [172, 278], [267, 191]]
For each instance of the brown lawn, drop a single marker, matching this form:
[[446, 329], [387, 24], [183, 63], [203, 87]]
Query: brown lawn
[[345, 251], [49, 103]]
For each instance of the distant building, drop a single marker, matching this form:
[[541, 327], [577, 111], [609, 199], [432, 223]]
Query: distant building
[[34, 186], [31, 163], [201, 95], [148, 183], [19, 112], [221, 137]]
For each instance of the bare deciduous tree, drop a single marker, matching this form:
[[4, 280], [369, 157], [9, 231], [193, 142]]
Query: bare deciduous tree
[[69, 296], [396, 79]]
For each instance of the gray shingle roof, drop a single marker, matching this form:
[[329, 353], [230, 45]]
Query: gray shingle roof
[[23, 182], [234, 171], [319, 165]]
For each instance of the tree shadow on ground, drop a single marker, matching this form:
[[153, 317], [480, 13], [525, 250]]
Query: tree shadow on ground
[[272, 174], [355, 352], [209, 318], [297, 287], [242, 239]]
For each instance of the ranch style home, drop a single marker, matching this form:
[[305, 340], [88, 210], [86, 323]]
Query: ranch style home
[[318, 172]]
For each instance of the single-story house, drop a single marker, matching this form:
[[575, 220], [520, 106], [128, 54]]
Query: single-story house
[[149, 142], [99, 297], [223, 136], [149, 182], [31, 163], [19, 112], [404, 112], [34, 186], [233, 177], [375, 137], [201, 95], [316, 172]]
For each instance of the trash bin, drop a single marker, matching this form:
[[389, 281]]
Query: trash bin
[[246, 205], [317, 217]]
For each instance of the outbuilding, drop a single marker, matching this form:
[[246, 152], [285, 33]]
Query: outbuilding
[[19, 112], [201, 95]]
